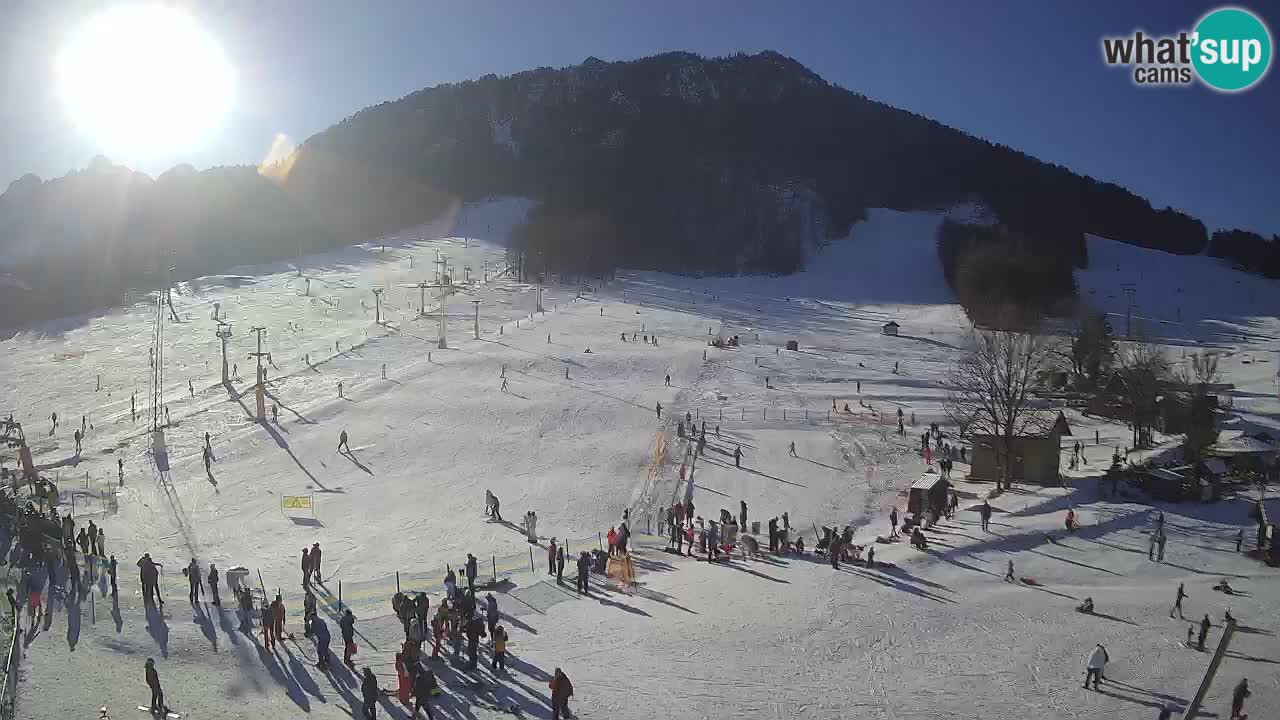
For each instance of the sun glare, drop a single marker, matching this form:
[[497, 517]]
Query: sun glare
[[141, 79]]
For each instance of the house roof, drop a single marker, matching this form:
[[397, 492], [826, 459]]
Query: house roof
[[929, 481], [1060, 424], [1242, 445], [892, 324]]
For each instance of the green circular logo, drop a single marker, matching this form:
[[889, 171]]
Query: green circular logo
[[1231, 49]]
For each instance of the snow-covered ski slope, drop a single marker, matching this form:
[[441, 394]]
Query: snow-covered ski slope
[[933, 634]]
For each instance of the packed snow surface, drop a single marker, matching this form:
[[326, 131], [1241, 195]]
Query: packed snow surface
[[575, 436]]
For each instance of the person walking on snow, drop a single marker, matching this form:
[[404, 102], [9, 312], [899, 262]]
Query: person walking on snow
[[893, 522], [792, 451], [561, 691], [471, 572], [320, 632], [742, 515], [306, 567], [1237, 699], [1204, 632], [369, 692], [737, 457], [584, 568], [342, 441], [551, 557], [658, 407], [277, 617], [1095, 666], [668, 380], [195, 581], [984, 513], [213, 585], [347, 624], [560, 565], [1177, 601], [315, 560], [1008, 573]]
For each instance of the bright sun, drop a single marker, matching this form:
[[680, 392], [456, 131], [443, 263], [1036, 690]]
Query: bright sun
[[141, 79]]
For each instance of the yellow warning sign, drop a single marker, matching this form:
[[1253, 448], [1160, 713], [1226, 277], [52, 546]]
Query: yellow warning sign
[[296, 502]]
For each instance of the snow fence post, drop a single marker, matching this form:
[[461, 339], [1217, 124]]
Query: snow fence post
[[339, 594], [530, 558], [397, 581], [494, 560]]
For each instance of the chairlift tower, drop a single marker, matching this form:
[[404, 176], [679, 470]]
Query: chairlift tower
[[223, 333], [377, 306]]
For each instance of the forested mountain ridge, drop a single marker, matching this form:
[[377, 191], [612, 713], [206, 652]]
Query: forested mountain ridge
[[676, 162]]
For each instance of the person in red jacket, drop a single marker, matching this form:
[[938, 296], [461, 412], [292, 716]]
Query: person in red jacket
[[612, 537], [561, 691]]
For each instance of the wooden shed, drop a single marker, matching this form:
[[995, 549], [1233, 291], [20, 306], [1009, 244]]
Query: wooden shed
[[889, 328], [927, 493], [1035, 457]]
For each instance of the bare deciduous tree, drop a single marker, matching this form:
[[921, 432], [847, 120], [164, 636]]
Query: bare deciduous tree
[[1142, 369], [990, 391]]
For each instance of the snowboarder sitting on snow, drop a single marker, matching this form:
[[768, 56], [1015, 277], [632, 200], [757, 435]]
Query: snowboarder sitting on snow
[[1224, 587], [1086, 606], [918, 539]]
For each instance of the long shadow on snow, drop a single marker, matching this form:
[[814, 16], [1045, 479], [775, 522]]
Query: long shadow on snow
[[284, 445], [894, 584]]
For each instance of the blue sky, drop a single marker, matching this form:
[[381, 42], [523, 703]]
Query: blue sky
[[1028, 75]]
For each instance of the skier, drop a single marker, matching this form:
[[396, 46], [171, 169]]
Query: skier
[[111, 571], [792, 451], [342, 441], [191, 388], [275, 414], [1237, 699], [659, 409], [207, 459], [742, 514], [471, 572], [1008, 573], [561, 691], [1160, 541], [157, 694], [315, 560], [737, 457], [984, 513], [369, 692], [120, 471], [339, 388], [531, 526], [347, 624], [668, 380], [1204, 632], [1094, 667], [77, 437], [871, 557], [384, 371]]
